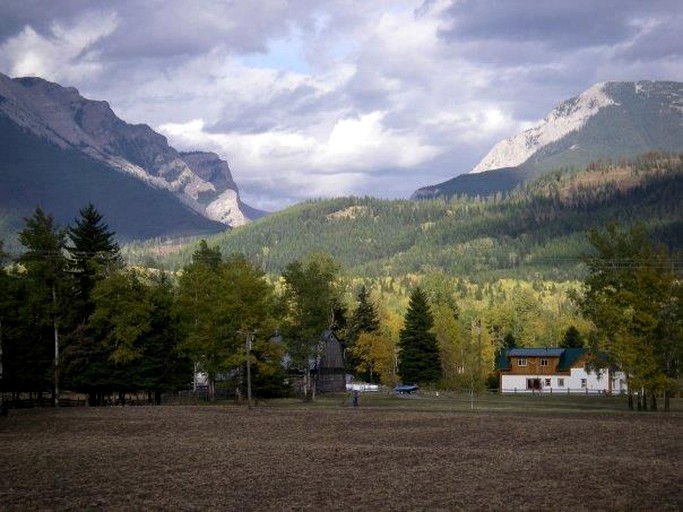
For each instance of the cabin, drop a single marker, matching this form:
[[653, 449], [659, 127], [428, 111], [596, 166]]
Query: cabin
[[554, 370]]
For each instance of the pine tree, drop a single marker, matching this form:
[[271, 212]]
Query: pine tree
[[419, 360], [94, 253], [365, 319], [45, 282], [572, 338]]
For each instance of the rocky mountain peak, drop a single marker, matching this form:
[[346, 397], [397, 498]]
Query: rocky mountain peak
[[63, 117], [569, 116], [610, 120]]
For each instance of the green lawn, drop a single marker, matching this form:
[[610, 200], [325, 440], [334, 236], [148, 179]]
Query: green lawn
[[488, 402]]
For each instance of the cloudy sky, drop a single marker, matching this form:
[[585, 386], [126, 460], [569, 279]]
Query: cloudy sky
[[319, 98]]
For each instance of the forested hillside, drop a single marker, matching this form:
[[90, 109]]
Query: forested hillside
[[535, 232]]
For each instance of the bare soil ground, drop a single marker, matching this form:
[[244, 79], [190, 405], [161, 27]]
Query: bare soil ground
[[337, 458]]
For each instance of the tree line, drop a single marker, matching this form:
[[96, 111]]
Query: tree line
[[74, 317]]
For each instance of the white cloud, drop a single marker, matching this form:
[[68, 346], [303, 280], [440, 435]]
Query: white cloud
[[304, 97], [341, 162], [66, 54]]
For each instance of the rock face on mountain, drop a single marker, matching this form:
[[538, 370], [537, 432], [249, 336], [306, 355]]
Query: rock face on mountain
[[610, 120], [62, 117]]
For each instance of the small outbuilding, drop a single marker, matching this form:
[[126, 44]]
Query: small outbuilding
[[330, 368]]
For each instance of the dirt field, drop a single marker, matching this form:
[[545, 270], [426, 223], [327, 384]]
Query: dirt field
[[338, 458]]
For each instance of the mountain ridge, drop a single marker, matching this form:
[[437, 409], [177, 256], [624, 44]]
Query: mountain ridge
[[60, 116], [63, 181], [610, 120], [537, 230]]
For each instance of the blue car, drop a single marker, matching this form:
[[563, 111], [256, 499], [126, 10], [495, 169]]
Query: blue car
[[405, 389]]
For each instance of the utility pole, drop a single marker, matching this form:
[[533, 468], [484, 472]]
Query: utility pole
[[479, 350], [249, 337], [56, 337], [476, 376]]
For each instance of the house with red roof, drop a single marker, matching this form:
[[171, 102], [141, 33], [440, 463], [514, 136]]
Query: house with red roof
[[554, 370]]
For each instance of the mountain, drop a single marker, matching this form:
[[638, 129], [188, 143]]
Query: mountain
[[610, 120], [536, 231], [61, 151]]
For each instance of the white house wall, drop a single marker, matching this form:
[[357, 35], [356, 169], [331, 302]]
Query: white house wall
[[573, 383]]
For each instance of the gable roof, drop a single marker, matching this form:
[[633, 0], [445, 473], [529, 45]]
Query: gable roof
[[567, 356]]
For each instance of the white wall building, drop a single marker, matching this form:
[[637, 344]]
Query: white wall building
[[554, 370]]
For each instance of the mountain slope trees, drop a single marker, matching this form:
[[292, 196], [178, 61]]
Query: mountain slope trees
[[534, 232]]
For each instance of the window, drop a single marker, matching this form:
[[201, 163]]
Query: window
[[544, 362], [560, 383], [547, 382], [583, 383], [533, 384], [521, 362]]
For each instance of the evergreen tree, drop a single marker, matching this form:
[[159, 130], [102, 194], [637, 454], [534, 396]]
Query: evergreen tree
[[419, 360], [572, 338], [17, 338], [509, 341], [208, 257], [44, 262], [93, 254], [365, 319]]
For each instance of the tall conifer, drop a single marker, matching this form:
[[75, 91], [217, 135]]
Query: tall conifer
[[365, 319], [419, 360], [94, 252]]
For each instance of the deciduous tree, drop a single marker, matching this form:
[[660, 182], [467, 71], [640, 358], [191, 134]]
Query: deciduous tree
[[633, 296], [311, 295], [220, 302]]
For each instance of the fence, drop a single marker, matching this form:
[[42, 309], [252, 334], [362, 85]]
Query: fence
[[29, 403], [560, 391]]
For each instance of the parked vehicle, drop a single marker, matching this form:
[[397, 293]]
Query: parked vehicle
[[405, 389]]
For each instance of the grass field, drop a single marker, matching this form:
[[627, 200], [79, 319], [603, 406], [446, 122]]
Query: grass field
[[416, 453]]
